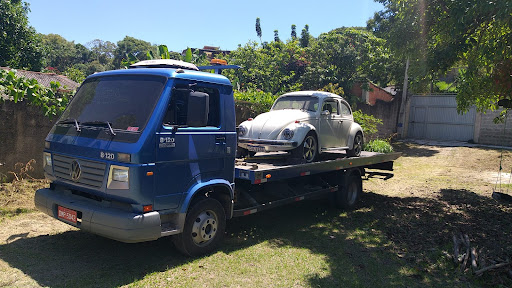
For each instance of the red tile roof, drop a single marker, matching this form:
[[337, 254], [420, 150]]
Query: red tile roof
[[46, 78]]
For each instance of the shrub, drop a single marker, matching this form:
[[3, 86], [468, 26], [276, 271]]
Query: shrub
[[368, 123], [263, 101], [378, 145], [52, 100]]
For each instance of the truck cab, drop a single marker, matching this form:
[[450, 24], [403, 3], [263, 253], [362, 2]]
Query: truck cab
[[140, 152]]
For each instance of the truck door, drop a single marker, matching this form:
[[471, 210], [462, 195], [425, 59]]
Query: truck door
[[188, 152]]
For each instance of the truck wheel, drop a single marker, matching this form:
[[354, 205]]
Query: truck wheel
[[349, 189], [204, 228], [357, 146], [308, 150]]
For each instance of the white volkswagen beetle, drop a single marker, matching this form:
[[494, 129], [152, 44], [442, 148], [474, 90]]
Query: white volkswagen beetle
[[306, 123]]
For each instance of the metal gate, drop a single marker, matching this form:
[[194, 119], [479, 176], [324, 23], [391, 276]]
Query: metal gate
[[435, 117]]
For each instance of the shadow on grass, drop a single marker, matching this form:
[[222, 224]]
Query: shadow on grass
[[388, 241], [81, 259], [384, 242], [412, 150]]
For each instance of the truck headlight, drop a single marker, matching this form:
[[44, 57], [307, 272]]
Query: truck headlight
[[288, 133], [47, 160], [118, 177]]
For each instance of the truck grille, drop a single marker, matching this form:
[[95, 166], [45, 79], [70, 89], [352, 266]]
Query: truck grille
[[92, 173]]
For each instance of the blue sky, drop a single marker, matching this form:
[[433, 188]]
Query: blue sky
[[182, 24]]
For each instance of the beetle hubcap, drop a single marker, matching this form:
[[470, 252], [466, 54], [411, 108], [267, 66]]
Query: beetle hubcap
[[358, 144], [309, 148], [204, 228]]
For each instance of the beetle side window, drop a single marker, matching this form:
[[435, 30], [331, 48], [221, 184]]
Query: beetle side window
[[345, 110], [331, 105]]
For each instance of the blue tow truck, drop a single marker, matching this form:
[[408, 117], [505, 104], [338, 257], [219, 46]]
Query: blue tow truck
[[149, 152]]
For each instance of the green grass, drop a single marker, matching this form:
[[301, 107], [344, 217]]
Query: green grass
[[398, 235]]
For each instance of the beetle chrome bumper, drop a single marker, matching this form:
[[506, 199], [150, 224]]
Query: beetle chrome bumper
[[261, 145]]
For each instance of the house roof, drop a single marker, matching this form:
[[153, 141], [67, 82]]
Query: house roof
[[45, 78]]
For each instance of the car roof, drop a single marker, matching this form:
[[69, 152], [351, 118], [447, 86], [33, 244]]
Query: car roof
[[319, 94]]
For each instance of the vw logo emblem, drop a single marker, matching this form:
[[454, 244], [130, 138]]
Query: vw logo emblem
[[76, 171]]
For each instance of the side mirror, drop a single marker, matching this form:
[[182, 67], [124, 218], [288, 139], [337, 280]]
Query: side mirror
[[325, 113], [198, 108]]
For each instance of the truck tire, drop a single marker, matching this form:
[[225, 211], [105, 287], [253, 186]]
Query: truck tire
[[203, 230], [349, 189]]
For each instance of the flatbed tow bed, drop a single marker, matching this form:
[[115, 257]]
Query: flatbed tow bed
[[269, 180]]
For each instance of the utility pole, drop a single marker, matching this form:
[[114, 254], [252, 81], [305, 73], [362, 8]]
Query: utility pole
[[402, 126]]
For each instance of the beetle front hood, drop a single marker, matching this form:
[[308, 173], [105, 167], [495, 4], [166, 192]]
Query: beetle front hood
[[268, 125]]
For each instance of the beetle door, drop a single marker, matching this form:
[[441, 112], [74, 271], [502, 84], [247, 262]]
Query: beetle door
[[345, 121], [330, 122]]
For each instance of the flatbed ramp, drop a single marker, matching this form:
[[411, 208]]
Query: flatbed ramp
[[285, 180], [276, 167]]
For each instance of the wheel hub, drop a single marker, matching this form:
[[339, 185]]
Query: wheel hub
[[204, 228], [352, 193], [309, 148]]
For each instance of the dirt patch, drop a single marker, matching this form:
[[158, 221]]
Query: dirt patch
[[438, 192], [17, 197]]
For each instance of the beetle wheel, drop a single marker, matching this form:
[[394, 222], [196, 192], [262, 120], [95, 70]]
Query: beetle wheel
[[308, 150], [357, 146]]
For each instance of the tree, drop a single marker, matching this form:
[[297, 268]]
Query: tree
[[102, 51], [276, 36], [304, 37], [258, 29], [294, 32], [274, 68], [441, 34], [19, 43], [82, 54], [59, 53], [131, 46], [344, 56]]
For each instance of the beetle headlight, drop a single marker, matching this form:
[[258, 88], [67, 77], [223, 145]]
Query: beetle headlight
[[242, 130], [288, 133]]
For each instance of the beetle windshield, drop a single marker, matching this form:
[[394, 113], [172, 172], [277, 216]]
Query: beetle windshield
[[125, 102], [308, 103]]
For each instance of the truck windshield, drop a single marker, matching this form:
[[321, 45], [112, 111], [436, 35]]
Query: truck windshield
[[125, 102], [296, 102]]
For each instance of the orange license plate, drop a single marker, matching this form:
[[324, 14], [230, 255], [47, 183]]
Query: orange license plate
[[67, 214]]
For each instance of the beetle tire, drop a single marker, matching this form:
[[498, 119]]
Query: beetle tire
[[203, 230], [299, 152], [349, 190], [357, 146]]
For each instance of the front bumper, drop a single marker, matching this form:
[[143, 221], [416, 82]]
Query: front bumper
[[262, 145], [100, 218]]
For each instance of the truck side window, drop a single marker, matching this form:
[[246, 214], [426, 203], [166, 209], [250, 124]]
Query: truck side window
[[177, 110]]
